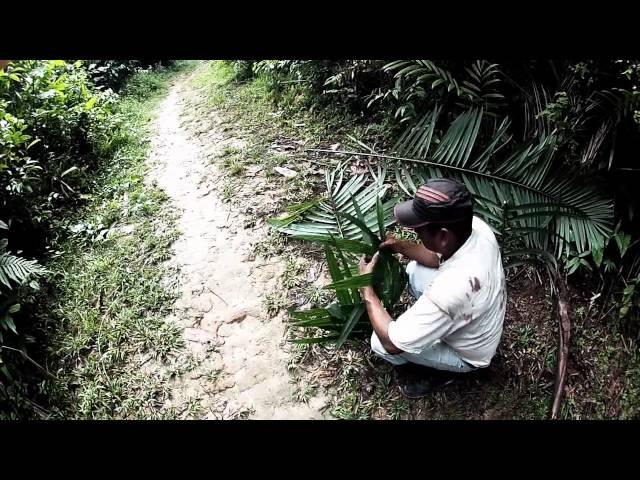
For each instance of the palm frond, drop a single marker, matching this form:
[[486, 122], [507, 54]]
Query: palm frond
[[535, 100], [520, 188], [333, 215], [524, 190], [482, 86], [348, 316], [479, 88], [425, 71]]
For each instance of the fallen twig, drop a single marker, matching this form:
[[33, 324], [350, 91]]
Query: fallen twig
[[225, 302], [608, 312], [326, 165]]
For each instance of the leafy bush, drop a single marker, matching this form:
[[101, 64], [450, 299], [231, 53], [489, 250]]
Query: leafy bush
[[242, 69], [52, 121], [114, 74], [15, 273], [323, 83]]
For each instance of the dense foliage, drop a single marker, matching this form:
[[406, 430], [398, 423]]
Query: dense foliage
[[114, 74], [57, 122]]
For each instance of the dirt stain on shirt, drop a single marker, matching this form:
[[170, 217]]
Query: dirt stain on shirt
[[475, 284]]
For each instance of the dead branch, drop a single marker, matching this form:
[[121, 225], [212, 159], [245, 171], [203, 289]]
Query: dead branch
[[30, 360], [564, 335]]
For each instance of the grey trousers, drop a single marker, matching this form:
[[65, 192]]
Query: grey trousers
[[439, 355]]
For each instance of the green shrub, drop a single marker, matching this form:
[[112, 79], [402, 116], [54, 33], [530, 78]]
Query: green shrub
[[52, 120], [114, 74]]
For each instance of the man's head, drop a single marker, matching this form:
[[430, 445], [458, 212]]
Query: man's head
[[441, 214]]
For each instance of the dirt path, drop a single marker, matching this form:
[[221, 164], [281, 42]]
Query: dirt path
[[239, 363]]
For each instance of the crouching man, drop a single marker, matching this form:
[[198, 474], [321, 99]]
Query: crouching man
[[456, 275]]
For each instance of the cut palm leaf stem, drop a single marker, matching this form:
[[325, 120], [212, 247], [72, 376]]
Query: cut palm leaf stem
[[435, 164]]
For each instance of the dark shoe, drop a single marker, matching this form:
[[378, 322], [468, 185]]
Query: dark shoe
[[416, 381], [410, 373], [416, 390]]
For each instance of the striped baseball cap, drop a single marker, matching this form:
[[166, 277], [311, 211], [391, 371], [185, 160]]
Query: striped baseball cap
[[439, 200]]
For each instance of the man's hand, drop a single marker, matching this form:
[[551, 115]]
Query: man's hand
[[412, 251], [394, 244], [365, 267], [378, 316]]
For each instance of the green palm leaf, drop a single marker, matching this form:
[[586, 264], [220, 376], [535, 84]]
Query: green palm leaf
[[353, 246], [354, 317], [326, 217], [356, 281], [480, 88]]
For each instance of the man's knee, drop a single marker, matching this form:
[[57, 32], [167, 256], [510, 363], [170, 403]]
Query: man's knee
[[376, 345], [378, 349], [420, 277]]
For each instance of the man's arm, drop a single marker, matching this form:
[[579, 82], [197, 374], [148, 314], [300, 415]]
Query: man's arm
[[424, 323], [378, 316], [379, 319], [413, 251]]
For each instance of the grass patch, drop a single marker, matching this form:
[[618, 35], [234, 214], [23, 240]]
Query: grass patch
[[275, 301], [233, 166]]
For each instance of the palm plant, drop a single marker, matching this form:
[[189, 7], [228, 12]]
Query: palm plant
[[480, 85], [349, 222], [517, 189]]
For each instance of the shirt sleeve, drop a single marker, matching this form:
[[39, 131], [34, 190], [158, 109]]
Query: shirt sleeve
[[420, 326]]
